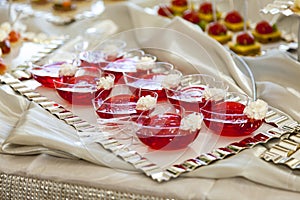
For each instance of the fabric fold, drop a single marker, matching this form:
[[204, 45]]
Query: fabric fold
[[31, 135], [32, 130]]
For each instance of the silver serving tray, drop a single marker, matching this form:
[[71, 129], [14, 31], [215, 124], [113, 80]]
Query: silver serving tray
[[150, 162]]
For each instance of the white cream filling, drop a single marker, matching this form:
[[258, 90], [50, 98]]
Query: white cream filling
[[146, 102], [256, 109], [192, 122]]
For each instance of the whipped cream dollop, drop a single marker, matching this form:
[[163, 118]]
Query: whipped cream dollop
[[67, 69], [146, 102], [256, 109], [105, 83], [145, 63], [214, 93], [171, 81], [192, 122]]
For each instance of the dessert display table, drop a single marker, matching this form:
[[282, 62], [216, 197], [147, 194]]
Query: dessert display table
[[43, 157]]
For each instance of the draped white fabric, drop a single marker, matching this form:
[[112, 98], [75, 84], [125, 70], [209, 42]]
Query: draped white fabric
[[27, 129]]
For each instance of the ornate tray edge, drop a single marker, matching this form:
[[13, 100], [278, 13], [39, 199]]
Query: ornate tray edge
[[281, 153], [284, 125]]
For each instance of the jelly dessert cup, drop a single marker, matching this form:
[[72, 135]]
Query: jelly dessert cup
[[153, 79], [162, 128], [190, 92], [46, 74], [81, 88], [133, 62], [226, 116], [120, 103]]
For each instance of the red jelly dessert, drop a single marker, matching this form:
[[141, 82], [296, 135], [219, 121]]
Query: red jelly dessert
[[227, 119], [190, 98], [155, 79], [79, 90], [118, 68], [117, 106], [219, 32], [162, 132], [234, 21], [47, 74], [151, 82]]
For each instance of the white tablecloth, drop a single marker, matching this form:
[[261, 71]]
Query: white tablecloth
[[243, 176]]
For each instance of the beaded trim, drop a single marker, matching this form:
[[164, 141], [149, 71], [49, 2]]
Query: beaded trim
[[15, 187], [282, 125]]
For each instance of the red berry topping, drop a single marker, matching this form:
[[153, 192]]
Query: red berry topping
[[233, 17], [192, 16], [216, 28], [264, 27], [245, 38], [205, 8], [165, 11]]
